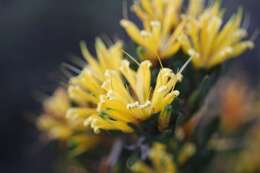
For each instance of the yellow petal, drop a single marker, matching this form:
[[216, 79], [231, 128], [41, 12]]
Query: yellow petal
[[98, 123], [80, 96], [90, 59], [141, 167], [147, 6], [143, 80], [133, 31], [128, 73], [82, 112], [195, 7]]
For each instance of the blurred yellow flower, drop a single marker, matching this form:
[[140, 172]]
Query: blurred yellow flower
[[248, 160], [161, 27], [53, 122], [85, 89], [186, 152], [162, 161], [211, 42], [235, 104], [133, 103]]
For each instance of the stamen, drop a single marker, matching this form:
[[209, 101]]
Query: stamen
[[99, 106], [145, 33], [124, 65], [71, 67], [179, 76], [147, 62], [155, 23], [110, 94], [159, 59], [88, 121], [137, 105], [96, 130], [193, 53], [162, 88], [176, 93], [131, 57], [185, 64], [106, 84], [145, 105], [132, 105]]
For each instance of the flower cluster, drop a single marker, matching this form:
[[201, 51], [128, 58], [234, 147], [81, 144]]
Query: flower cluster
[[115, 92], [199, 31], [110, 95], [85, 89], [55, 124], [134, 103], [209, 40], [103, 100], [161, 27]]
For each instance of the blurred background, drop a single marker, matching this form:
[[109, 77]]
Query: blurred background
[[36, 36]]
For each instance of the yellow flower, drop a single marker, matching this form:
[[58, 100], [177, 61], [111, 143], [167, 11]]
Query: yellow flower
[[248, 160], [160, 159], [186, 152], [161, 27], [54, 123], [133, 103], [85, 89], [211, 42]]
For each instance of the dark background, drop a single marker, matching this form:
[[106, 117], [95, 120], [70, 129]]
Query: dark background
[[36, 36]]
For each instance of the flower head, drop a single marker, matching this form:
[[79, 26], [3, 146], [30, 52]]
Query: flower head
[[161, 161], [85, 89], [53, 120], [161, 27], [211, 42], [130, 98], [54, 123]]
